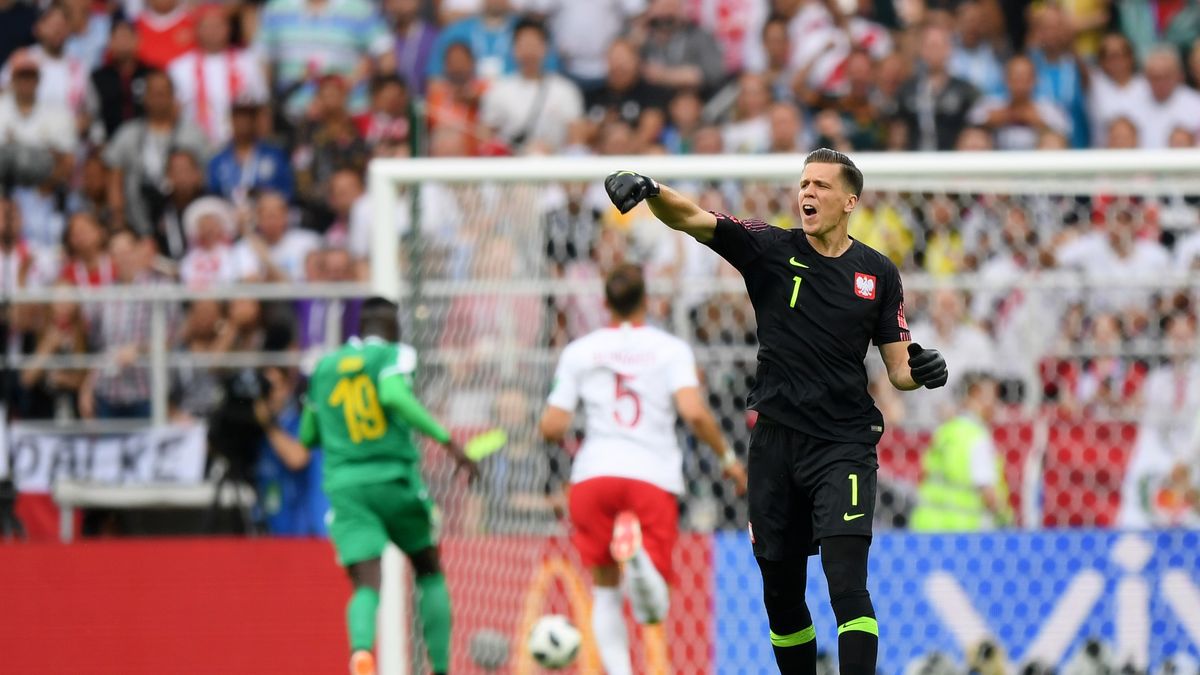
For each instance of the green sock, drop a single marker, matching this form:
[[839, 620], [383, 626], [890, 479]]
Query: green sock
[[434, 604], [360, 618]]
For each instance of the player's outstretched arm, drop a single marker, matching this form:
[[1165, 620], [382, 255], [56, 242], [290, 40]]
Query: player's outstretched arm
[[627, 189], [699, 418], [396, 397]]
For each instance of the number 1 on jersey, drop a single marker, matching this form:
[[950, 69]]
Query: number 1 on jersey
[[623, 391], [853, 489], [795, 290]]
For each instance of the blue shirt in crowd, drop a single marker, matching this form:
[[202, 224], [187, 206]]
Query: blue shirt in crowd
[[1060, 82], [267, 168], [491, 47]]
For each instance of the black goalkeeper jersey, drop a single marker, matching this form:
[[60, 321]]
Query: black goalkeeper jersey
[[816, 318]]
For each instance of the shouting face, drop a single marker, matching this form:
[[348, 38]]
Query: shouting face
[[825, 199]]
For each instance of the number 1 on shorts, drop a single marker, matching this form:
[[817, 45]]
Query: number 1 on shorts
[[853, 489]]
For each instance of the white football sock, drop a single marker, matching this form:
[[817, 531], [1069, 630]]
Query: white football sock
[[647, 590], [608, 625]]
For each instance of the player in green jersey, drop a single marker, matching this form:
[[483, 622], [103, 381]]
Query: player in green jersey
[[361, 411]]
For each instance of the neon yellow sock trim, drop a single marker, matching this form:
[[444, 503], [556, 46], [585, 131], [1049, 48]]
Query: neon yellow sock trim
[[798, 638], [864, 624]]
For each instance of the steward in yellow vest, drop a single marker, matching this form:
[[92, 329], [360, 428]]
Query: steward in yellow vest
[[962, 476]]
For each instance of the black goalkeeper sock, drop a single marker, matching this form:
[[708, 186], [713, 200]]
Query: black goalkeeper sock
[[858, 646], [796, 654], [844, 559]]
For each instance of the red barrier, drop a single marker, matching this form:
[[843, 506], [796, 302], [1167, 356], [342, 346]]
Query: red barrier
[[238, 606], [201, 606]]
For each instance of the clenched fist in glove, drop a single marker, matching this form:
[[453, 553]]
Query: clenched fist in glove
[[927, 366], [627, 189]]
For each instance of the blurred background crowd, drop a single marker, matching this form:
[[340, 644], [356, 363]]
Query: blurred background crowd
[[159, 141]]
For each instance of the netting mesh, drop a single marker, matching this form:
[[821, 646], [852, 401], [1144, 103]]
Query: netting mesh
[[1078, 296]]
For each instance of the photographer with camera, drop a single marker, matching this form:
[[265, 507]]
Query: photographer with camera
[[246, 420]]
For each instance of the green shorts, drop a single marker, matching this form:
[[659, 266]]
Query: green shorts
[[364, 518]]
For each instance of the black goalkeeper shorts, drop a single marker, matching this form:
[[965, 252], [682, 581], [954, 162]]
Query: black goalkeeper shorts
[[803, 489]]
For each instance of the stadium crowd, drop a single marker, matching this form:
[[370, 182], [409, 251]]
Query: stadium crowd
[[207, 144]]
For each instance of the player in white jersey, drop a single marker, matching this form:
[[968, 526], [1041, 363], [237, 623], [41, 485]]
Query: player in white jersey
[[625, 480]]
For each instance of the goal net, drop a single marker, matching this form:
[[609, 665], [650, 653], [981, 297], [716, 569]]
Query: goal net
[[1070, 278]]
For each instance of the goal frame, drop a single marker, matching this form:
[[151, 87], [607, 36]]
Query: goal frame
[[1127, 172]]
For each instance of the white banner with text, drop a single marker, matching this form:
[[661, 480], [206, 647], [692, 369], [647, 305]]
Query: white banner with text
[[37, 458]]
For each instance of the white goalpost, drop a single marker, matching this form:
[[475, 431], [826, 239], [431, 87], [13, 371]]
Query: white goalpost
[[1123, 171]]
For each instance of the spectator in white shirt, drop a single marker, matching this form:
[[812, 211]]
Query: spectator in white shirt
[[211, 77], [16, 256], [750, 129], [949, 326], [210, 227], [1117, 252], [1164, 456], [1019, 121], [64, 80], [1016, 317], [532, 105], [1171, 104], [1115, 88], [37, 136], [277, 251], [582, 32], [37, 144]]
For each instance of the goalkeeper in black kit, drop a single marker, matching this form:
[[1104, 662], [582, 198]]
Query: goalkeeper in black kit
[[820, 299]]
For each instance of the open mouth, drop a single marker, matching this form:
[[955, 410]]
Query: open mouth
[[808, 210]]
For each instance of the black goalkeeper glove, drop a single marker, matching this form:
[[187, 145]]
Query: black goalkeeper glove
[[927, 366], [626, 189]]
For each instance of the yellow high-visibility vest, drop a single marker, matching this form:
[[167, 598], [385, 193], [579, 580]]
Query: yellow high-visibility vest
[[948, 500]]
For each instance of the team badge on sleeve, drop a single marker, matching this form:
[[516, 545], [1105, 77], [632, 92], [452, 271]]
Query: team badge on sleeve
[[864, 285]]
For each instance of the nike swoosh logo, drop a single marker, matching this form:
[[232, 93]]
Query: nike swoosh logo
[[792, 261], [847, 517]]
